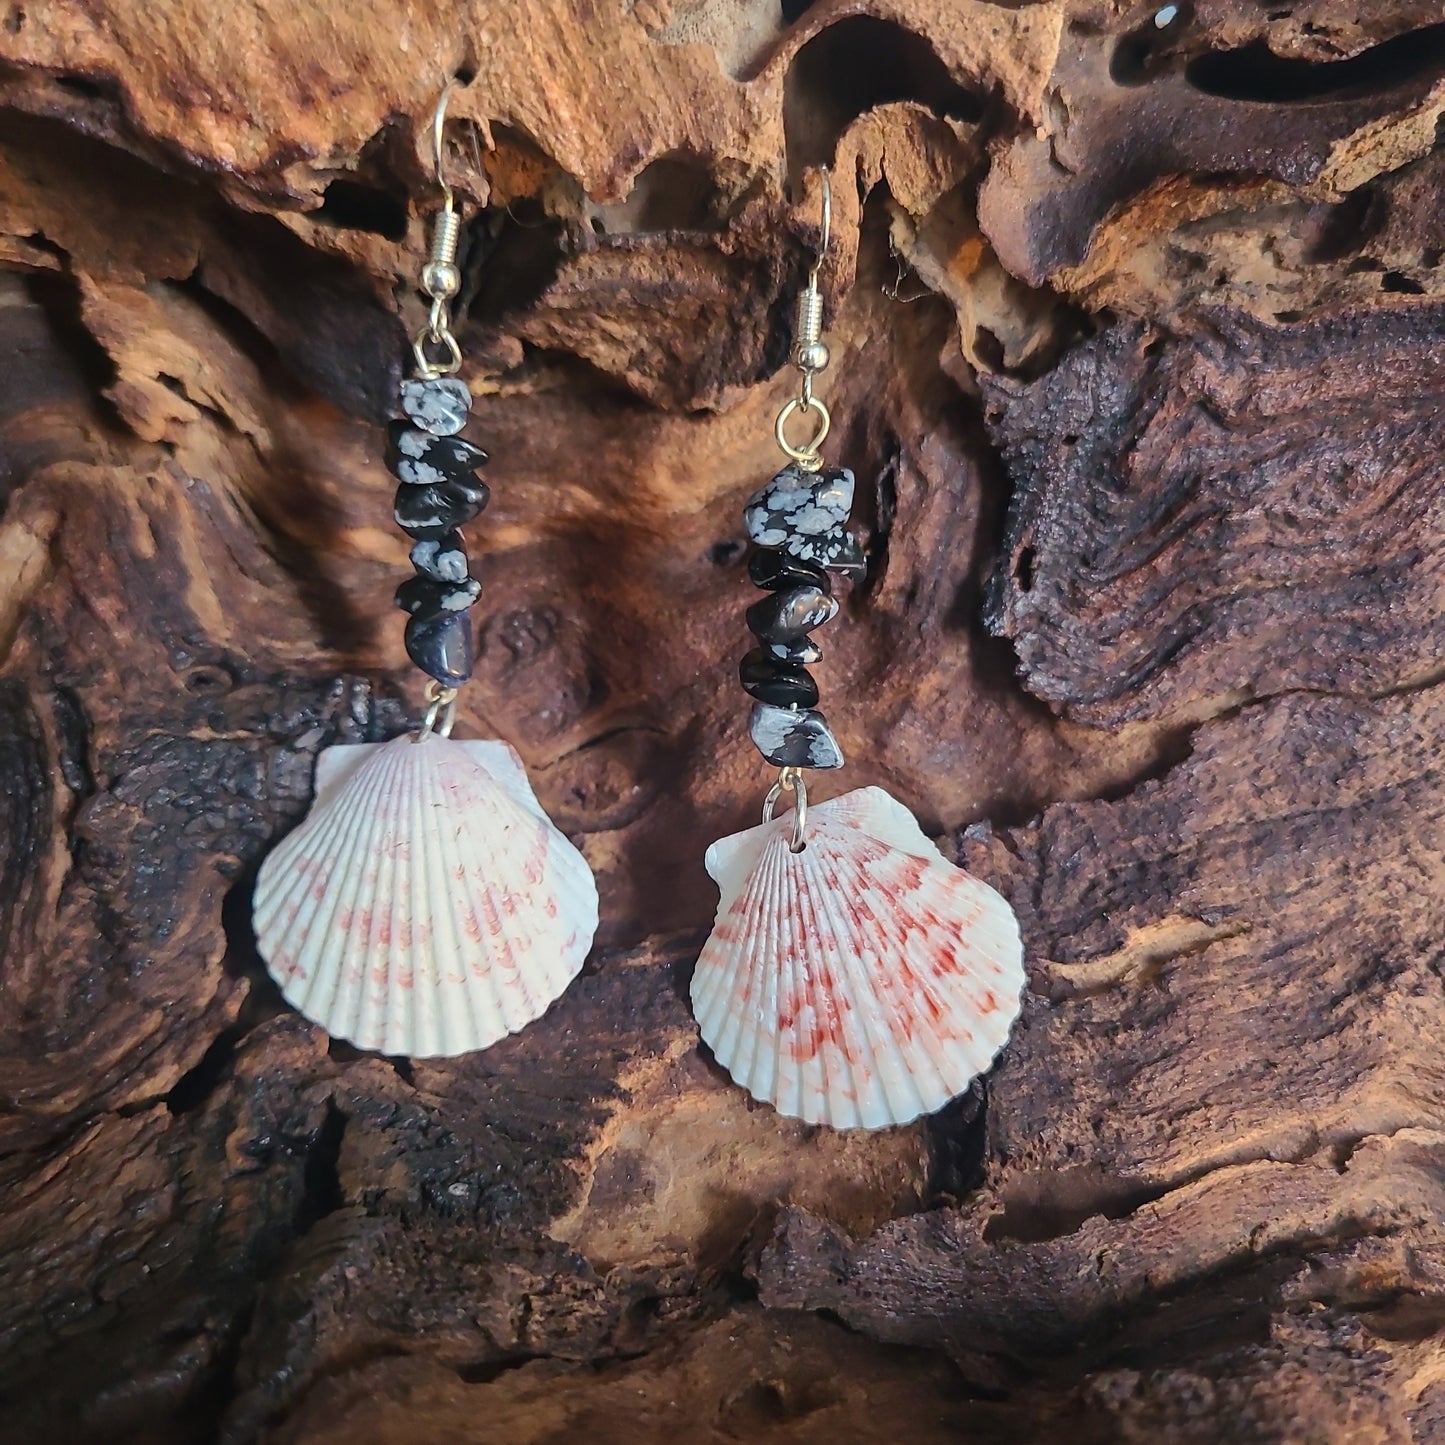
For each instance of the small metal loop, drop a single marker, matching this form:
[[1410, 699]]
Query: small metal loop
[[443, 706], [426, 368], [806, 456], [800, 814], [790, 780]]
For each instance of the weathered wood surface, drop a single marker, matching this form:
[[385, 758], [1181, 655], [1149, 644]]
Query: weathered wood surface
[[1151, 630]]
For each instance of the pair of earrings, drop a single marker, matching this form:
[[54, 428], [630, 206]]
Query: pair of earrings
[[428, 906]]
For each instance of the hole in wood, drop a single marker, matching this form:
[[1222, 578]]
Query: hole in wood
[[518, 259], [208, 680], [853, 67], [1049, 1204], [1024, 569], [1345, 226], [675, 192], [1144, 51], [351, 206], [81, 85], [1255, 73]]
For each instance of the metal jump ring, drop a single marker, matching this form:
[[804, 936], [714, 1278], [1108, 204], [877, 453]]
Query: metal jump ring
[[790, 780], [425, 366], [443, 706], [806, 456]]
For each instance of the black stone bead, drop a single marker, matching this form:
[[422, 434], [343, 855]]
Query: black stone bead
[[441, 645], [432, 512], [799, 508], [843, 555], [780, 683], [791, 738], [422, 596], [438, 404], [804, 651], [805, 514], [443, 559], [420, 459], [773, 569], [791, 614]]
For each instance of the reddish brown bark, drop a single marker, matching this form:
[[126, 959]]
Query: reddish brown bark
[[1146, 422]]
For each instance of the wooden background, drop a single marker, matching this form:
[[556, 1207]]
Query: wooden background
[[1140, 324]]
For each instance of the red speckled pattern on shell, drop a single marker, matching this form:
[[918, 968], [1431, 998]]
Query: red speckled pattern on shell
[[426, 906], [861, 982]]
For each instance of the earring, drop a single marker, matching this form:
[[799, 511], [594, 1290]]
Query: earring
[[427, 905], [854, 977]]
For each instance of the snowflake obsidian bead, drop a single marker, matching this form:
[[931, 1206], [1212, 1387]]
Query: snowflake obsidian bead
[[418, 457], [423, 596], [801, 650], [805, 514], [438, 404], [784, 684], [440, 643], [772, 569], [432, 512], [794, 738], [443, 559], [790, 614]]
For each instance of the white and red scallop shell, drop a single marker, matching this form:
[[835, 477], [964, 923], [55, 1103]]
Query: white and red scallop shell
[[862, 981], [426, 905]]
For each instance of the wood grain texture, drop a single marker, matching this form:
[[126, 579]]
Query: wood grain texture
[[1226, 487], [1135, 317]]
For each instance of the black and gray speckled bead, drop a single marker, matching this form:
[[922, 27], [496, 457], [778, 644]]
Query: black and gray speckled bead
[[422, 595], [802, 650], [781, 683], [794, 738], [441, 645], [438, 404], [772, 569], [841, 553], [799, 503], [788, 615], [432, 512], [806, 514], [421, 459], [443, 559]]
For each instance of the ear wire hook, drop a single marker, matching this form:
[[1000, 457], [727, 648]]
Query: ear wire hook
[[438, 138], [439, 148], [810, 353], [820, 255], [434, 346]]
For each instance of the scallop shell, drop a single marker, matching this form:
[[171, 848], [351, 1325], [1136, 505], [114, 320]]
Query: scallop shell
[[426, 905], [862, 981]]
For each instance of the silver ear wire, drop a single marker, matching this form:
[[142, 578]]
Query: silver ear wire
[[438, 138], [440, 278], [810, 352]]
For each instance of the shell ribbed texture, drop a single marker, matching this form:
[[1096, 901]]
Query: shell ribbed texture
[[427, 905], [861, 982]]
